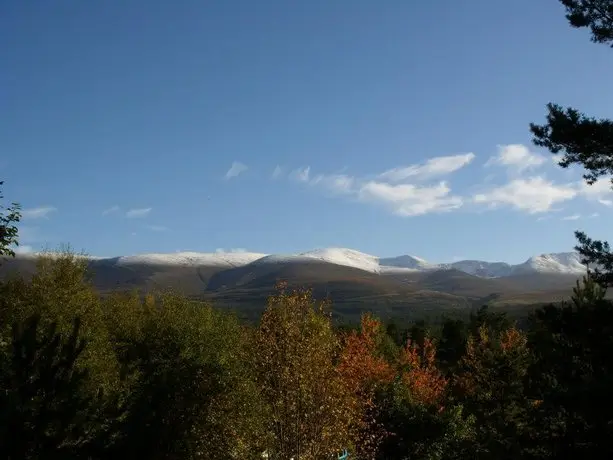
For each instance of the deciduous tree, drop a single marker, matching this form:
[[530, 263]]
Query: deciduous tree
[[310, 410]]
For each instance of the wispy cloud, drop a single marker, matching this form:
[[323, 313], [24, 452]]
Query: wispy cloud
[[37, 213], [138, 213], [335, 182], [434, 167], [600, 191], [411, 200], [517, 157], [572, 217], [277, 172], [232, 250], [24, 249], [533, 195], [301, 174], [606, 202], [413, 190], [111, 210], [157, 228], [236, 169]]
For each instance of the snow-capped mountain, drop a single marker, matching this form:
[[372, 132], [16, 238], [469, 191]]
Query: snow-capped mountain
[[229, 259], [405, 262], [556, 263], [561, 262], [483, 269], [338, 256]]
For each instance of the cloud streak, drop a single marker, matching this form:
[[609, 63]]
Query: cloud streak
[[111, 210], [157, 228], [235, 170], [533, 195], [516, 157], [434, 167], [138, 213], [414, 190], [41, 212], [277, 172]]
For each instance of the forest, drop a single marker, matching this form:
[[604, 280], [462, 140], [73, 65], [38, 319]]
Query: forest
[[158, 376]]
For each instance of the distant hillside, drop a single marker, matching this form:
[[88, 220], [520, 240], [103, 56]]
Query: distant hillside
[[244, 281]]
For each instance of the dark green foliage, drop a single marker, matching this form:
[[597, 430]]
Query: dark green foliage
[[495, 322], [9, 217], [573, 375], [584, 140], [422, 432], [597, 15], [489, 383], [452, 344], [42, 408]]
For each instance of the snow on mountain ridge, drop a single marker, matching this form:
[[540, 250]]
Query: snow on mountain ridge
[[230, 259], [406, 262], [483, 269], [338, 256], [560, 263]]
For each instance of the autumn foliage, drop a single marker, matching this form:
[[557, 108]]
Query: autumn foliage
[[364, 371], [420, 373], [162, 376]]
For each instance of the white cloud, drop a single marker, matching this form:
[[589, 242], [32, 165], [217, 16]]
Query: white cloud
[[236, 169], [37, 213], [111, 210], [23, 249], [138, 213], [336, 182], [517, 157], [572, 217], [434, 167], [301, 174], [157, 228], [406, 191], [534, 195], [233, 250], [277, 172], [600, 191], [410, 200], [593, 215]]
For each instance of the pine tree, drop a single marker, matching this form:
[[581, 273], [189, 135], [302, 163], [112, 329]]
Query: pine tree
[[490, 385], [584, 140], [9, 217], [572, 375]]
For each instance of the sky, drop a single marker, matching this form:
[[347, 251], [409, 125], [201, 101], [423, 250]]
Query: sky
[[389, 127]]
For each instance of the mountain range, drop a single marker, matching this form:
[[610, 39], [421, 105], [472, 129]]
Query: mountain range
[[563, 262], [403, 286]]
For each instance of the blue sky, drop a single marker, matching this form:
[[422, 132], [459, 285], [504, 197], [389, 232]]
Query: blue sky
[[394, 127]]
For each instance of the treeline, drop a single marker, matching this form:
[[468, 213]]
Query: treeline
[[159, 377]]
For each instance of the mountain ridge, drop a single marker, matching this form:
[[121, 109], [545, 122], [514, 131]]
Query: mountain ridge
[[558, 263]]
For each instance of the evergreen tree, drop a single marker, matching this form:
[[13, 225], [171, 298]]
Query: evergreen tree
[[9, 217], [572, 375], [490, 386], [584, 140]]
